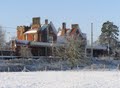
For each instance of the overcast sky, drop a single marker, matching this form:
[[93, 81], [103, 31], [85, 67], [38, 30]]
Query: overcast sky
[[20, 12]]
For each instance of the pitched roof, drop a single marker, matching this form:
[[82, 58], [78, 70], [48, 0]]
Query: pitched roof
[[61, 32], [53, 27], [47, 25], [22, 42], [73, 31], [31, 32], [82, 34], [44, 27], [98, 47], [37, 44]]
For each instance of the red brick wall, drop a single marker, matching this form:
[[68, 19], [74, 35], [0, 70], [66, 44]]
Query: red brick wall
[[30, 37], [20, 33]]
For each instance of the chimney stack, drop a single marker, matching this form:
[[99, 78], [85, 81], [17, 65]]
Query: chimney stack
[[46, 21], [64, 27], [74, 26], [36, 20]]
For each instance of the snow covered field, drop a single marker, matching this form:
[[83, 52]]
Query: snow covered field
[[60, 79]]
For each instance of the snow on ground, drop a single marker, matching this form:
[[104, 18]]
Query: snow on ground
[[60, 79]]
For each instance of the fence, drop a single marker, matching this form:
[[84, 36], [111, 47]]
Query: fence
[[42, 64]]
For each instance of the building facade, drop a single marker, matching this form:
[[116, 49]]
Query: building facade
[[34, 36], [40, 39]]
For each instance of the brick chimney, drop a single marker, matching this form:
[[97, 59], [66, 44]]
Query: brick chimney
[[46, 21], [36, 20], [74, 26], [64, 27]]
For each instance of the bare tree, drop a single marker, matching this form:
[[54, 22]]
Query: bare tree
[[73, 51], [25, 52]]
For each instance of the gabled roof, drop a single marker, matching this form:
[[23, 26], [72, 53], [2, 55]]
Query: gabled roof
[[44, 27], [82, 34], [61, 32], [53, 27], [73, 31], [47, 25]]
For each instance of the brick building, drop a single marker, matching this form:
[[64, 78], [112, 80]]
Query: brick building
[[73, 31], [40, 39], [37, 37]]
